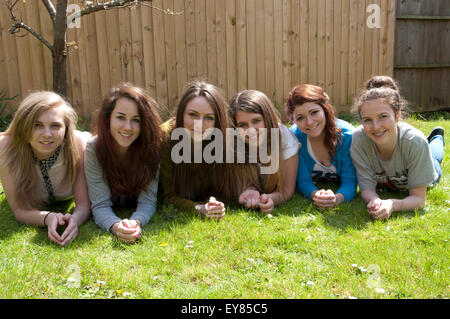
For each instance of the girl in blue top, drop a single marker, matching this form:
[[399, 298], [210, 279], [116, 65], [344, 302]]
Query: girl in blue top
[[325, 146]]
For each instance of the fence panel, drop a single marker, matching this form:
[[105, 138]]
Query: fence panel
[[268, 45]]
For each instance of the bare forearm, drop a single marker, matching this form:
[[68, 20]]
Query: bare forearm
[[408, 203], [82, 213], [30, 217]]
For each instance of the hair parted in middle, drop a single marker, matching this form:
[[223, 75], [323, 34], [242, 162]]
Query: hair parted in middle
[[305, 93], [230, 179], [19, 154], [253, 101], [143, 155]]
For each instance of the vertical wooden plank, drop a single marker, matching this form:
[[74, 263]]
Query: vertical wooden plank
[[241, 42], [126, 51], [103, 57], [23, 55], [304, 44], [180, 47], [353, 16], [221, 17], [231, 48], [91, 60], [329, 50], [391, 37], [278, 53], [47, 33], [312, 43], [171, 64], [269, 49], [260, 47], [321, 46], [375, 46], [287, 58], [190, 40], [200, 43], [251, 44], [211, 41], [3, 66], [383, 38], [114, 48], [368, 45], [83, 79], [10, 55], [35, 46], [137, 54], [148, 49], [337, 47], [361, 27], [344, 63], [160, 55], [74, 71], [297, 62]]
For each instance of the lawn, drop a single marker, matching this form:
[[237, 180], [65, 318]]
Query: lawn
[[301, 252]]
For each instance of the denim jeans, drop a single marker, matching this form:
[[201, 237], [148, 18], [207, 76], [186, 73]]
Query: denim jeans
[[437, 153]]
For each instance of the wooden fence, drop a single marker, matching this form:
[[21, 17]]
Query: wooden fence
[[268, 45], [422, 58]]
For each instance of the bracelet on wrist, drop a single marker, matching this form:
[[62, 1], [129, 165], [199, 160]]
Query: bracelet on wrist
[[45, 218]]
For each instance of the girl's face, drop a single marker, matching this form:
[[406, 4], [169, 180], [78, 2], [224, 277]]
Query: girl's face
[[250, 123], [198, 110], [310, 119], [48, 132], [125, 123], [379, 122]]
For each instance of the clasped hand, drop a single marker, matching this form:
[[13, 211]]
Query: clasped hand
[[127, 230], [251, 198], [380, 209], [70, 233]]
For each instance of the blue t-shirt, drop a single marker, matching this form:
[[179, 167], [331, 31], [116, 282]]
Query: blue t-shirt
[[343, 170]]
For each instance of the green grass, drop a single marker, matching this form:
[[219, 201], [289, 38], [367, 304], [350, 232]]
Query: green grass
[[299, 253]]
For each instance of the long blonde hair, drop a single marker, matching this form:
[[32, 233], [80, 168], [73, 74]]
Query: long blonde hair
[[19, 155]]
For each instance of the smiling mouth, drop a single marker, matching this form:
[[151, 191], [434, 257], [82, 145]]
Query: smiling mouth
[[379, 134], [125, 135], [46, 143]]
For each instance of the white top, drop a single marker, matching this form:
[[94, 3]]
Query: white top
[[289, 143]]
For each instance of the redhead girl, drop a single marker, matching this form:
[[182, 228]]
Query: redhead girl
[[195, 186], [253, 110], [122, 160], [325, 146], [388, 152], [41, 162]]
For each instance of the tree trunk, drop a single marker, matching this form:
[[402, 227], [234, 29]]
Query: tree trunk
[[59, 52]]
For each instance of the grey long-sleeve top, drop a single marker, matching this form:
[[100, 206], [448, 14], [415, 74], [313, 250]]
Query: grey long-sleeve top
[[100, 193]]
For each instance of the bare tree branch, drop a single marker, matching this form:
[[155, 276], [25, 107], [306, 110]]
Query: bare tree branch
[[18, 24], [90, 8], [51, 9]]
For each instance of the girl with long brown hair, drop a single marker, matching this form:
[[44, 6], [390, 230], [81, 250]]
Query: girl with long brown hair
[[252, 111], [122, 160], [41, 162], [325, 150], [186, 184]]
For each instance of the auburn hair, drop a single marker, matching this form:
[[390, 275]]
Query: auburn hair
[[140, 166], [305, 93]]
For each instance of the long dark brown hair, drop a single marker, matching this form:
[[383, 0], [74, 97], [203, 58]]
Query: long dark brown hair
[[305, 93], [223, 180], [144, 154]]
